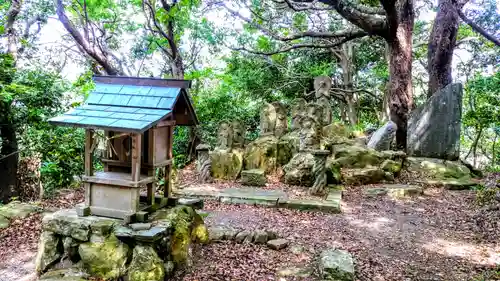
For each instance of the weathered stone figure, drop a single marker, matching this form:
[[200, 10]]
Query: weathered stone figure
[[281, 126], [298, 111], [309, 134], [267, 119], [314, 111], [224, 137], [324, 107], [203, 163], [238, 134], [383, 137], [322, 86]]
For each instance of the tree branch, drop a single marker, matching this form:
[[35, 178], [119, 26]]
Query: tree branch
[[303, 45], [311, 34], [84, 44], [369, 23], [478, 29]]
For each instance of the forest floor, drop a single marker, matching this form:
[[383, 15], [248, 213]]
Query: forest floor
[[439, 236]]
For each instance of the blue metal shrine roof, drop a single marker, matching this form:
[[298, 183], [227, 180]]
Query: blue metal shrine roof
[[116, 104]]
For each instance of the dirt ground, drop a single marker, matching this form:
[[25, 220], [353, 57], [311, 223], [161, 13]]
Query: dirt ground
[[439, 236]]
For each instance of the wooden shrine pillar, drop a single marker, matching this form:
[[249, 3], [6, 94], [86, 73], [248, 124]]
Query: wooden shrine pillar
[[151, 187], [168, 169], [89, 170]]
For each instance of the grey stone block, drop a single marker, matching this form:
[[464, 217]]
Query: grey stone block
[[434, 128]]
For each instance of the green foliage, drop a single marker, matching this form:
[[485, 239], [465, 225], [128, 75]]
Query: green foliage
[[62, 152]]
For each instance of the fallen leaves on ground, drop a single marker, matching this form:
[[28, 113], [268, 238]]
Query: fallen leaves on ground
[[433, 237]]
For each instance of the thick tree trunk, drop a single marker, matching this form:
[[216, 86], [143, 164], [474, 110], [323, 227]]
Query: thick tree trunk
[[442, 42], [400, 83], [9, 156]]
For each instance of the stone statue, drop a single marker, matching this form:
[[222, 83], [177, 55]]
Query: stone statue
[[309, 135], [314, 111], [383, 137], [298, 111], [281, 126], [324, 107], [267, 120], [203, 163], [224, 137], [322, 86], [238, 134]]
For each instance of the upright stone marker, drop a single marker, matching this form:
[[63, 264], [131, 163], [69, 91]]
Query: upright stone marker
[[383, 137], [434, 128]]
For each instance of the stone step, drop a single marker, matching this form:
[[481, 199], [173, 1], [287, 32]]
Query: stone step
[[270, 198]]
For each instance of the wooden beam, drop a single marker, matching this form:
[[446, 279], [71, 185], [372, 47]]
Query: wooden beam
[[136, 156], [166, 123], [89, 138]]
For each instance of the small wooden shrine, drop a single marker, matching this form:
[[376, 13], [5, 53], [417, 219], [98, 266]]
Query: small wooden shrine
[[137, 117]]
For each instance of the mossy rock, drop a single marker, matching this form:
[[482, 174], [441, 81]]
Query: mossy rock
[[49, 251], [362, 176], [188, 227], [333, 171], [438, 168], [146, 265], [391, 166], [106, 260], [226, 164], [351, 156], [262, 154], [4, 222], [299, 170], [18, 210]]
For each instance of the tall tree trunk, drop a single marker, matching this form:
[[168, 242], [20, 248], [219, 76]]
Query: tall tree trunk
[[12, 13], [400, 69], [9, 156], [442, 42], [345, 55]]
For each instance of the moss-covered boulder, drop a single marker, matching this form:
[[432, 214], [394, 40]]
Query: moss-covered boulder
[[349, 156], [188, 227], [391, 166], [363, 176], [49, 251], [438, 168], [18, 210], [226, 164], [299, 170], [146, 265], [262, 154], [107, 259], [288, 146]]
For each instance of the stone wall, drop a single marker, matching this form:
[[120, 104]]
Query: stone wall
[[103, 248]]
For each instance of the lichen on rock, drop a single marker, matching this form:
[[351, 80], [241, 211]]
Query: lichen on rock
[[262, 154], [146, 265], [107, 259]]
